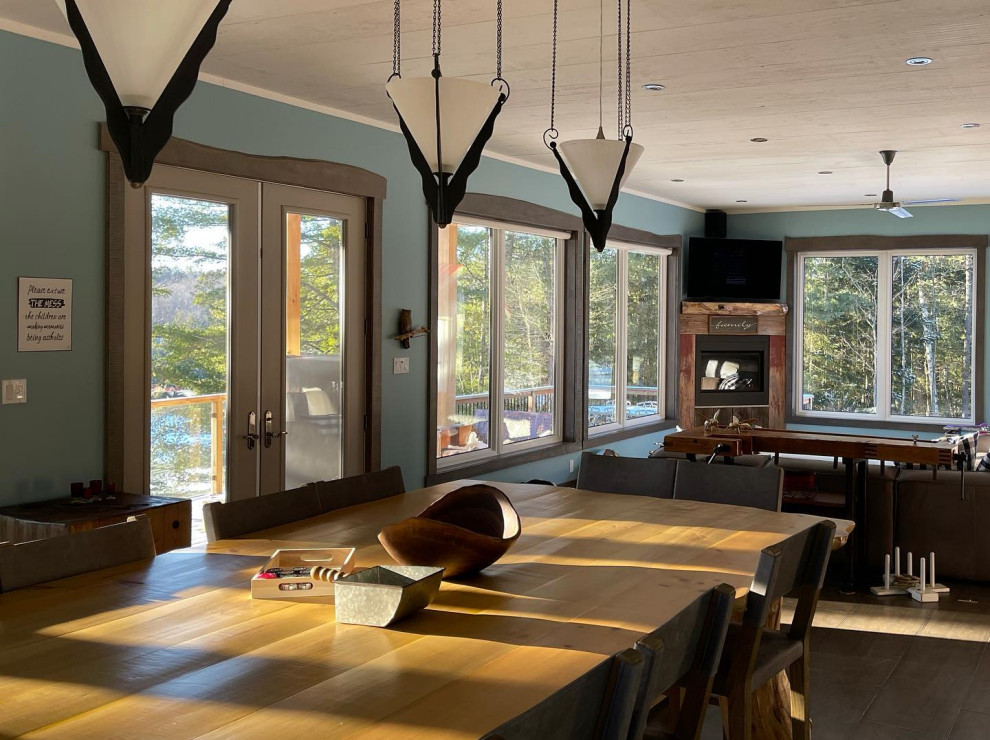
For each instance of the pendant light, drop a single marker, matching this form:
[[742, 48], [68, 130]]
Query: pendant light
[[596, 169], [446, 121], [143, 58]]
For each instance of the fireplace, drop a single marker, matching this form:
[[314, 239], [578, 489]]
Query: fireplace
[[732, 371], [732, 362]]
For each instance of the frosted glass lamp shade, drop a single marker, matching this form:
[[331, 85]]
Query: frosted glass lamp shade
[[464, 107], [594, 163], [142, 42]]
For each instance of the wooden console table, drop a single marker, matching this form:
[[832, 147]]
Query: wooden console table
[[171, 518], [854, 450]]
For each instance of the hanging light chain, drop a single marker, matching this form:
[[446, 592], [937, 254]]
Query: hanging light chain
[[628, 122], [553, 69], [498, 40], [396, 43], [620, 81], [437, 23]]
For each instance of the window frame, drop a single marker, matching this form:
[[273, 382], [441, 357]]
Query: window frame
[[574, 306], [885, 249], [498, 447], [623, 249]]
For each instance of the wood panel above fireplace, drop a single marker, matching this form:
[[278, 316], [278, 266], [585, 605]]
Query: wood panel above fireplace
[[727, 352]]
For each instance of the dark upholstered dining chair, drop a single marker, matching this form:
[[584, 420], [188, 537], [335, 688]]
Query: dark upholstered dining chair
[[682, 654], [753, 654], [760, 488], [360, 489], [639, 476], [235, 518], [27, 563], [596, 706]]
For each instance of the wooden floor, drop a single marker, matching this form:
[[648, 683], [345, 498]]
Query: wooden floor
[[892, 669]]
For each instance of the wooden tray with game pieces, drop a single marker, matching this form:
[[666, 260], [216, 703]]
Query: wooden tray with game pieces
[[305, 572]]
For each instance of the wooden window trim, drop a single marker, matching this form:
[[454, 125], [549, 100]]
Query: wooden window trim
[[795, 246], [121, 358]]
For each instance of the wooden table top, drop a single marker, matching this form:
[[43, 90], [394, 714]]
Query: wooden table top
[[176, 648], [828, 444], [63, 510]]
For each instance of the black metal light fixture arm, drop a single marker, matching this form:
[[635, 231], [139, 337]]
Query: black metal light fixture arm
[[140, 134]]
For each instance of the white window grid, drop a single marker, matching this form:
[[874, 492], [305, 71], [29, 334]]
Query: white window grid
[[621, 333], [882, 372], [496, 395]]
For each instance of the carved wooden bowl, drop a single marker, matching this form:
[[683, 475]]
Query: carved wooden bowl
[[464, 532]]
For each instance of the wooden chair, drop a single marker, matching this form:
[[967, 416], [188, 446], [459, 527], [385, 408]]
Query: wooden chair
[[597, 706], [638, 476], [754, 654], [760, 488], [39, 561], [360, 489], [683, 654], [235, 518]]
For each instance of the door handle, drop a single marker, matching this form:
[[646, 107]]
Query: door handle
[[252, 435], [269, 434]]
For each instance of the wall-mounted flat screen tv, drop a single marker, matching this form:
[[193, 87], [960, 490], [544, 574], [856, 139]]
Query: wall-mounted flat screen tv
[[734, 269]]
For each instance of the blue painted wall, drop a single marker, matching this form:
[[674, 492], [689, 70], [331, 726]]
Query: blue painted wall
[[927, 220], [52, 215]]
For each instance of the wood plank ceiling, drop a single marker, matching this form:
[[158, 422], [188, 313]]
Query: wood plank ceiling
[[825, 81]]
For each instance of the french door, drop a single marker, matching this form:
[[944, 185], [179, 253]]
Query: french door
[[255, 361]]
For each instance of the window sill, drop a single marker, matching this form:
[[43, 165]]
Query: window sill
[[509, 460], [820, 421], [600, 440]]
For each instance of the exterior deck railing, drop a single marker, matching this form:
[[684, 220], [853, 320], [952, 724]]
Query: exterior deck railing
[[216, 403]]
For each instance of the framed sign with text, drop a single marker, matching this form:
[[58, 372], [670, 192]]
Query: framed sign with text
[[44, 314], [733, 324]]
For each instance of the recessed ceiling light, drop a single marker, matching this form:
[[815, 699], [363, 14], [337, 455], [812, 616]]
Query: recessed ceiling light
[[918, 61], [970, 125], [654, 87], [677, 180], [825, 172], [759, 140]]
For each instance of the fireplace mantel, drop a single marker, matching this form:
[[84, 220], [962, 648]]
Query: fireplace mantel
[[768, 320]]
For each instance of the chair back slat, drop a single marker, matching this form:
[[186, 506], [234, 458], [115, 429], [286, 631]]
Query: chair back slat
[[360, 489], [638, 476], [739, 485], [685, 651], [39, 561], [596, 706], [236, 518]]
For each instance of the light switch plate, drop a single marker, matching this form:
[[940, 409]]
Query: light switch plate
[[400, 366], [14, 391]]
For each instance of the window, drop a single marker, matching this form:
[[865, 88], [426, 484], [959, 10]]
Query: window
[[625, 325], [887, 334], [498, 339]]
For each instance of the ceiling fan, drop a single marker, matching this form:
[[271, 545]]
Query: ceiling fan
[[887, 202]]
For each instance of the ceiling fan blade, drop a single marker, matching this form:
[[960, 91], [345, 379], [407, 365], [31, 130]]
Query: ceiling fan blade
[[901, 212], [930, 201]]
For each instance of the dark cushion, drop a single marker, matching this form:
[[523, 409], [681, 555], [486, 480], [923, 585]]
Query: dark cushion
[[236, 518], [360, 489], [728, 484], [638, 476]]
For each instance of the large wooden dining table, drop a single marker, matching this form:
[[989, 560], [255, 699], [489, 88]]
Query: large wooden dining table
[[177, 648]]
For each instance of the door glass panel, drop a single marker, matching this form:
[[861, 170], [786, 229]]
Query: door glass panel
[[464, 323], [190, 251], [314, 360], [602, 349], [642, 335]]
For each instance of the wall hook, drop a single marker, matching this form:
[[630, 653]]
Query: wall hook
[[406, 330]]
